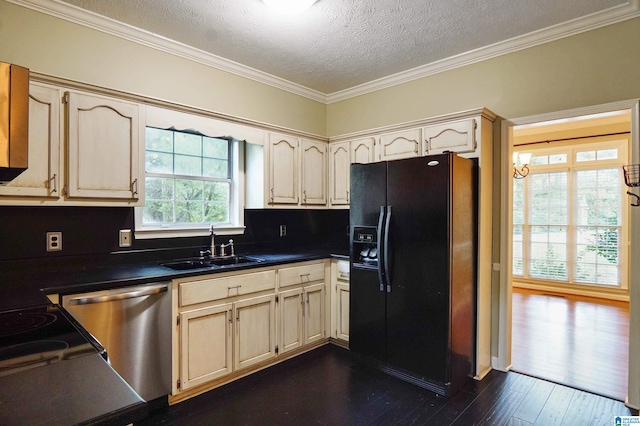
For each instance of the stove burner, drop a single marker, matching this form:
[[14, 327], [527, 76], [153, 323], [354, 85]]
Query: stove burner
[[28, 355], [12, 323]]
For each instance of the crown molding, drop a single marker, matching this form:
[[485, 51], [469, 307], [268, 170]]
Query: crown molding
[[566, 29], [101, 23], [110, 26]]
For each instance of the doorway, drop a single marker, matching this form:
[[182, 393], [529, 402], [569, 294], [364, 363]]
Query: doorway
[[569, 304]]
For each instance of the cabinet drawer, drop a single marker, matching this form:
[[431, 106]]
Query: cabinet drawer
[[206, 290], [342, 270], [301, 274]]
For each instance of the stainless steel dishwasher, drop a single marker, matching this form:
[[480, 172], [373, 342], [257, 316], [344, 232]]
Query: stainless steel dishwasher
[[134, 326]]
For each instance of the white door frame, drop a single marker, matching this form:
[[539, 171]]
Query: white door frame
[[503, 359]]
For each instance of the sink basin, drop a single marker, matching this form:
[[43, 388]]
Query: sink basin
[[204, 263], [233, 260]]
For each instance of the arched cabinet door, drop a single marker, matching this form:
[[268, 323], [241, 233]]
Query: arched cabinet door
[[456, 136], [314, 173], [104, 136], [283, 169], [362, 151], [339, 163], [42, 178], [402, 144]]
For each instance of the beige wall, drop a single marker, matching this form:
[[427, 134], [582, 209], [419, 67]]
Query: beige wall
[[591, 68], [62, 49]]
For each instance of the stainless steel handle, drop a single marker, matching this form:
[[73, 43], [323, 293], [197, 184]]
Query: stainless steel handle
[[381, 247], [387, 257], [134, 186], [118, 296]]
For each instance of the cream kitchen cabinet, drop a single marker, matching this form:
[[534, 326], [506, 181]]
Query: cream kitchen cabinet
[[340, 300], [105, 137], [314, 173], [283, 169], [362, 151], [400, 144], [297, 171], [457, 136], [226, 323], [97, 164], [302, 299], [42, 178], [339, 163], [217, 340]]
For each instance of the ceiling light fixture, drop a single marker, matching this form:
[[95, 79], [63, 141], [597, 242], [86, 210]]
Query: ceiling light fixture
[[289, 7]]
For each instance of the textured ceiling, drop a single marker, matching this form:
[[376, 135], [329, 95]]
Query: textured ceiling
[[339, 44]]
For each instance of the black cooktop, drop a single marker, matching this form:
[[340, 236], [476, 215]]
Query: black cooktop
[[34, 337]]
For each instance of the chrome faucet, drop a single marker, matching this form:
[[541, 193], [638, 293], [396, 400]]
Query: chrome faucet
[[224, 246], [213, 241]]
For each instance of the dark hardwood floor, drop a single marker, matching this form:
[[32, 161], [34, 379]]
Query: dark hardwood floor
[[577, 341], [325, 387]]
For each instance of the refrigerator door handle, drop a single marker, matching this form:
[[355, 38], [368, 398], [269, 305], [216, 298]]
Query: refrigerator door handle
[[380, 247], [386, 257]]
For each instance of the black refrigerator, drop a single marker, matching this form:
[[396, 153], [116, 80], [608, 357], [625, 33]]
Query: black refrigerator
[[413, 268]]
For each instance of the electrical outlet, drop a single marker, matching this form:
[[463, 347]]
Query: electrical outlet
[[54, 241], [125, 238], [283, 230]]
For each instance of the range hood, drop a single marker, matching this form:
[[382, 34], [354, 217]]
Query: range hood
[[14, 121]]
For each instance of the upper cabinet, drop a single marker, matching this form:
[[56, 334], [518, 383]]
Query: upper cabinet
[[362, 151], [98, 164], [457, 136], [339, 162], [401, 144], [283, 169], [297, 172], [314, 173], [42, 178], [104, 147]]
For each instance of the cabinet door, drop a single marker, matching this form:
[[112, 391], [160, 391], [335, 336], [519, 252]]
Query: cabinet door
[[403, 144], [104, 139], [362, 151], [290, 322], [314, 314], [255, 336], [205, 344], [339, 163], [314, 173], [342, 311], [457, 136], [42, 178], [283, 169]]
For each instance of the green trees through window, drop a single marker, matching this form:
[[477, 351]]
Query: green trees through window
[[188, 178]]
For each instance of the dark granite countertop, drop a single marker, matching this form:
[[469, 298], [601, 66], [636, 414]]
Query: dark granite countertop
[[26, 284]]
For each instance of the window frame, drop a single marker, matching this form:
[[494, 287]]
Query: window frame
[[191, 123], [621, 142]]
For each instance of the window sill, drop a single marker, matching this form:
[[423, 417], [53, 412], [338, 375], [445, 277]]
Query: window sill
[[148, 233]]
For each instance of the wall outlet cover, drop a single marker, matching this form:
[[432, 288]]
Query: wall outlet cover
[[54, 241], [125, 238]]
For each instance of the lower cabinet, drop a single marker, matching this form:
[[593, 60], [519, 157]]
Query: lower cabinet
[[231, 324], [340, 300], [218, 340], [302, 316]]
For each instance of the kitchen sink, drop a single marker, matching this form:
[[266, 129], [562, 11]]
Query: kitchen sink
[[209, 263]]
